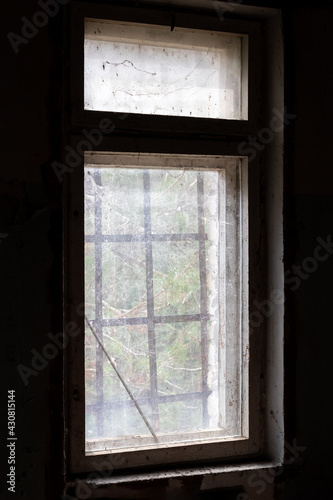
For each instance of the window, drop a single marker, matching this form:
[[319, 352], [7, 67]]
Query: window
[[164, 256], [165, 292], [139, 69]]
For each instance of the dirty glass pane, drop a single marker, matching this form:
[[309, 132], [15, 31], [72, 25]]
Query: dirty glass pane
[[179, 358], [118, 194], [173, 210], [181, 416], [152, 70], [163, 292], [90, 384], [124, 280], [89, 201], [90, 349], [90, 274], [129, 348], [118, 214], [176, 277]]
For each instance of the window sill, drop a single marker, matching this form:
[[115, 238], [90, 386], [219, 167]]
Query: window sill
[[205, 479]]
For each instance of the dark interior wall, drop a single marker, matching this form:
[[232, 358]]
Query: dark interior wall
[[31, 242], [31, 282], [309, 215]]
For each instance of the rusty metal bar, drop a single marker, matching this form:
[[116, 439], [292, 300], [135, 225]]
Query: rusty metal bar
[[181, 318], [98, 300], [150, 299], [203, 297], [130, 238]]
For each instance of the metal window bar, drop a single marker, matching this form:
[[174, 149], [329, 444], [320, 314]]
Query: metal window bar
[[98, 302], [203, 298], [150, 299], [99, 322]]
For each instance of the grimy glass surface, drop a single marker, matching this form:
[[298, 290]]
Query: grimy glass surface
[[154, 285], [152, 70]]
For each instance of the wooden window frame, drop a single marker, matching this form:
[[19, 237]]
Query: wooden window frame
[[156, 134]]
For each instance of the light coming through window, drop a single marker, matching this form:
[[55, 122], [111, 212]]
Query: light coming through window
[[166, 299]]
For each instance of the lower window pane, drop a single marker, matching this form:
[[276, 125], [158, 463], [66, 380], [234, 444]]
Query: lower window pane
[[165, 303]]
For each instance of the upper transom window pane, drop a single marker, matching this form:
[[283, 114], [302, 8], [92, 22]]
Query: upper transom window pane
[[153, 70]]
